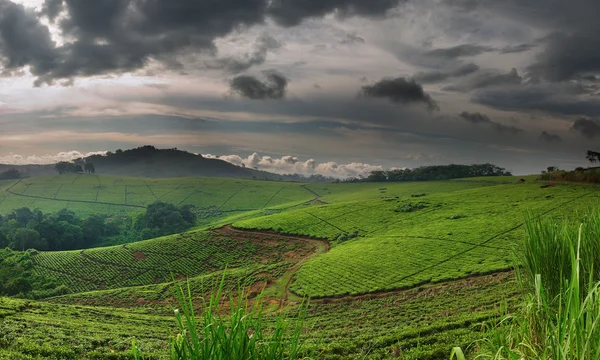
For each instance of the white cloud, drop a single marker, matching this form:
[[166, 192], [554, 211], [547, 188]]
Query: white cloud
[[15, 159], [293, 165]]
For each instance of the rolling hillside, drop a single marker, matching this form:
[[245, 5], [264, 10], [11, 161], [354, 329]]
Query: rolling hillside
[[398, 258], [114, 194]]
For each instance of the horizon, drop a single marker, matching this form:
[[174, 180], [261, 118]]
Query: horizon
[[396, 84]]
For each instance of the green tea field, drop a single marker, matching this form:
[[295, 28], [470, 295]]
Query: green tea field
[[392, 269]]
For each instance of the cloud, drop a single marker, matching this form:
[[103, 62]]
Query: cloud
[[458, 51], [293, 165], [258, 56], [351, 39], [590, 128], [14, 159], [121, 36], [274, 87], [479, 118], [400, 91], [550, 138], [291, 13], [486, 79], [517, 48], [430, 77], [24, 41], [562, 99]]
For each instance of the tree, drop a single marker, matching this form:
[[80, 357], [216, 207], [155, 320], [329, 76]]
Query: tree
[[89, 168], [11, 174], [593, 156], [62, 167], [552, 169], [77, 169], [24, 239]]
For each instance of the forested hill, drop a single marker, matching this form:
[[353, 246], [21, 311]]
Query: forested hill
[[148, 161]]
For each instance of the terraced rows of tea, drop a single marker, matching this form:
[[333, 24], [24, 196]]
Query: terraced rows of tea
[[113, 195], [156, 261], [400, 241]]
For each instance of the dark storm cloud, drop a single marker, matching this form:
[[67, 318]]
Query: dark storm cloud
[[274, 87], [118, 36], [458, 51], [567, 56], [550, 138], [430, 77], [401, 91], [562, 99], [572, 47], [350, 39], [24, 41], [589, 128], [517, 48], [290, 13], [486, 79], [478, 118]]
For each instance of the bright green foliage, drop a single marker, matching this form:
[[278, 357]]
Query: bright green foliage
[[242, 335], [560, 319], [420, 324], [88, 194], [397, 249], [153, 261]]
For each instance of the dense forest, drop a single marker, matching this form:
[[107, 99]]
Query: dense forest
[[24, 228], [431, 173]]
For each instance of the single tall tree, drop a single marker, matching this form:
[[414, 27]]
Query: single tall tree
[[593, 156], [89, 168]]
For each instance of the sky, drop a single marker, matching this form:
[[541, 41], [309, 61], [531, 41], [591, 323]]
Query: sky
[[335, 87]]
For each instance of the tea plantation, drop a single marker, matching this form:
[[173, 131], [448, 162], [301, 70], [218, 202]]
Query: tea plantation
[[394, 270]]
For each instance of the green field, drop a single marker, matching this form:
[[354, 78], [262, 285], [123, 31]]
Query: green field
[[86, 194], [407, 244]]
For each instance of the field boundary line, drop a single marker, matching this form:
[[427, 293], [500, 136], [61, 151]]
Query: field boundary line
[[326, 222], [170, 191], [67, 273], [76, 177], [490, 239], [441, 239], [231, 197], [58, 191], [153, 194], [310, 191], [75, 201], [190, 195], [273, 197]]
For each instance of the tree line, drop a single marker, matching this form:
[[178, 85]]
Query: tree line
[[431, 173], [24, 228], [65, 167]]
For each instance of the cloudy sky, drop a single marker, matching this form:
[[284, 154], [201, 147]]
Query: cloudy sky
[[330, 86]]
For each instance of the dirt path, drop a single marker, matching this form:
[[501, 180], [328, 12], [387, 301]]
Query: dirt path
[[280, 289]]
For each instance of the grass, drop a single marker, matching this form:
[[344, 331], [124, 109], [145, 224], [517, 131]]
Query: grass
[[240, 335], [424, 323], [87, 194], [461, 232], [393, 284], [560, 318], [153, 261]]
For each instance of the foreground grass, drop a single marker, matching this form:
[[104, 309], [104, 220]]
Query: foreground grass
[[560, 318], [422, 323]]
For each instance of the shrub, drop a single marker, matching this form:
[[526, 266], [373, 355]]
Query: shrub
[[418, 195], [410, 207], [241, 335]]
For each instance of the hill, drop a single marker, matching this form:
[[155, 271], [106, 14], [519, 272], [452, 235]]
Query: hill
[[150, 162], [407, 261]]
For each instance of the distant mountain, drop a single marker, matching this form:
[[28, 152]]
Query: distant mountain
[[148, 161]]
